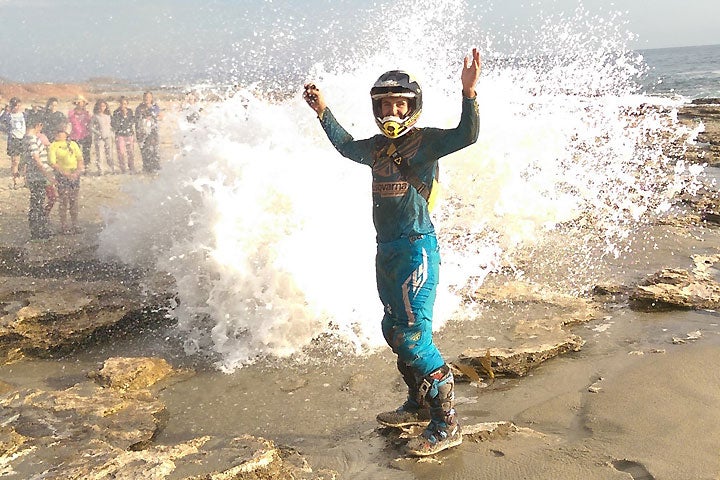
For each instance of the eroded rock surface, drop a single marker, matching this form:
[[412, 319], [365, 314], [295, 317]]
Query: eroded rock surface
[[535, 339], [54, 430], [517, 361], [94, 432], [568, 309], [703, 114], [39, 315], [132, 373], [681, 288]]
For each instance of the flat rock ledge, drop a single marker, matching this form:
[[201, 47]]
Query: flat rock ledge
[[697, 207], [567, 309], [93, 432], [679, 288], [39, 316], [490, 362], [540, 338]]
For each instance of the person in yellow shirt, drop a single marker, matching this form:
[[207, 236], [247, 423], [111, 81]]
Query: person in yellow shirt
[[66, 159]]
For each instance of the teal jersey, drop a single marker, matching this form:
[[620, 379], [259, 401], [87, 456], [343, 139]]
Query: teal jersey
[[398, 209]]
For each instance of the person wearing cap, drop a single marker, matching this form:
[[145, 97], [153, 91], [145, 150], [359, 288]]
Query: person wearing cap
[[404, 160], [79, 119], [12, 122]]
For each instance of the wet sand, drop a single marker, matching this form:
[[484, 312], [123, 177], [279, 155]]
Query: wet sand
[[652, 413]]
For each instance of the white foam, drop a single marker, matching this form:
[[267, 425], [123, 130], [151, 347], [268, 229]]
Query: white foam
[[267, 229]]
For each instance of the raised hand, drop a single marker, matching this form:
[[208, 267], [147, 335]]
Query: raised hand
[[314, 97], [470, 73]]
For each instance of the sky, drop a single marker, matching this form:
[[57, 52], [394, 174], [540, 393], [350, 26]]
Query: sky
[[657, 23], [74, 40]]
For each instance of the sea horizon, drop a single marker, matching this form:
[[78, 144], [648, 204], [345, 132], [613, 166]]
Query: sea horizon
[[691, 71], [676, 47]]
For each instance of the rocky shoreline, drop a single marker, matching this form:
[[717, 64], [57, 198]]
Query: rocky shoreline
[[707, 147], [57, 297]]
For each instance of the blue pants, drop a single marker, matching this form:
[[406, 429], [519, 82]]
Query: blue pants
[[407, 275]]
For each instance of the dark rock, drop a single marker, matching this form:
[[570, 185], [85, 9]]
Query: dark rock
[[705, 101]]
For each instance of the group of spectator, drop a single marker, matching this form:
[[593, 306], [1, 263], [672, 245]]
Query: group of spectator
[[52, 150]]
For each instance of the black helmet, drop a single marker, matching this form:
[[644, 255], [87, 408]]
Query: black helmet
[[396, 83]]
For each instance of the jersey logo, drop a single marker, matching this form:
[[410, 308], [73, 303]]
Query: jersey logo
[[390, 189], [387, 181], [385, 169]]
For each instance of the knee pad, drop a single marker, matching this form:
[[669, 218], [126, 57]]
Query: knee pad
[[413, 344]]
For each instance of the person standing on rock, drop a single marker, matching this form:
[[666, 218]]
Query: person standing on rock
[[79, 118], [39, 177], [12, 122], [66, 158], [53, 118], [147, 115], [102, 136], [404, 161], [123, 124]]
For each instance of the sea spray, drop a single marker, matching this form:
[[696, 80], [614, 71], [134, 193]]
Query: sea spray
[[267, 229], [568, 142], [248, 222]]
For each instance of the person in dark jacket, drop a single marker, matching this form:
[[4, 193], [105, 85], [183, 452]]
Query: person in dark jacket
[[39, 177], [123, 124], [147, 117], [52, 119]]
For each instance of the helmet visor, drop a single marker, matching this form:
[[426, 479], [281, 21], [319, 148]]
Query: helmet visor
[[403, 94]]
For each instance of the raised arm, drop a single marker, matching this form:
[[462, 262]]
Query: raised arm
[[315, 99], [357, 150], [444, 142], [470, 74]]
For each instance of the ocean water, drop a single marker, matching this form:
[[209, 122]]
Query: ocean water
[[691, 72], [267, 229]]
